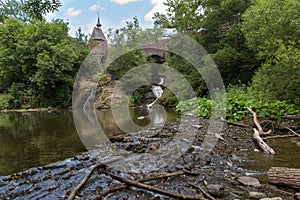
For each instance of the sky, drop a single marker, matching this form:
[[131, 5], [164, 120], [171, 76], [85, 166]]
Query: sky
[[113, 13]]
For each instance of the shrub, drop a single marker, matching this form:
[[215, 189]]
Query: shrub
[[5, 101], [237, 102]]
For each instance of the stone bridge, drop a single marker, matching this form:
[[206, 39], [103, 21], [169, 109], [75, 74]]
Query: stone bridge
[[157, 50]]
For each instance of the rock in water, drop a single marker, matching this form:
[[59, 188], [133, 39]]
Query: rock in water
[[249, 181]]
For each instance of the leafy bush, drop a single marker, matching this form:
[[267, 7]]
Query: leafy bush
[[5, 101], [238, 100], [279, 78]]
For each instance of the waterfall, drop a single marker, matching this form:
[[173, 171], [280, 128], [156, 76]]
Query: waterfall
[[89, 100], [88, 107], [157, 91]]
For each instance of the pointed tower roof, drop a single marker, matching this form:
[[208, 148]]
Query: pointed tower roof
[[97, 32]]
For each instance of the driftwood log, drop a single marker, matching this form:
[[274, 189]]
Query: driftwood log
[[258, 132], [284, 176]]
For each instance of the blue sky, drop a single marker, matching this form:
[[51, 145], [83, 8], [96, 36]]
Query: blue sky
[[113, 13]]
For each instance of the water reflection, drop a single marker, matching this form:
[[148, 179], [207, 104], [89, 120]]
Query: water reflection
[[96, 126], [35, 139], [286, 152], [143, 117]]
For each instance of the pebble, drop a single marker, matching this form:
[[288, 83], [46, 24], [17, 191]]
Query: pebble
[[256, 150], [274, 198], [297, 196]]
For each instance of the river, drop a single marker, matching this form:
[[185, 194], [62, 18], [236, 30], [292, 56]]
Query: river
[[31, 139]]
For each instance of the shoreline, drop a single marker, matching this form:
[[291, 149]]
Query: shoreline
[[220, 169]]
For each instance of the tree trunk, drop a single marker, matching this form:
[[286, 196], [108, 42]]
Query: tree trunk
[[284, 176]]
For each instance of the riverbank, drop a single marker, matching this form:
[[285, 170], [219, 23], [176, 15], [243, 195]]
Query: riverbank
[[49, 109], [218, 173]]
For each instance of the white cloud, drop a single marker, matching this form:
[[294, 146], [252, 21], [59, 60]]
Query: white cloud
[[50, 16], [71, 12], [158, 6], [123, 2], [95, 7]]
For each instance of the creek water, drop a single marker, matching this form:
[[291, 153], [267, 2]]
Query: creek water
[[32, 139], [287, 155]]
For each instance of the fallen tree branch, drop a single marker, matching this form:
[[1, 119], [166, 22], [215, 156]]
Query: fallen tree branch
[[288, 128], [155, 189], [203, 191], [279, 136], [124, 186], [236, 124], [257, 133], [84, 180], [292, 116], [264, 146], [161, 176], [256, 122]]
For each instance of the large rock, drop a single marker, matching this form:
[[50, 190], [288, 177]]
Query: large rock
[[249, 181]]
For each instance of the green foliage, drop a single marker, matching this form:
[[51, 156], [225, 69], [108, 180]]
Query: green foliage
[[125, 62], [272, 29], [38, 62], [168, 99], [216, 25], [270, 23], [238, 101], [279, 78], [27, 10], [136, 98], [5, 101]]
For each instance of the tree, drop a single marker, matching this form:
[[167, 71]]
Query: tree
[[272, 30], [38, 62], [185, 16], [268, 24], [27, 10], [216, 25], [279, 78]]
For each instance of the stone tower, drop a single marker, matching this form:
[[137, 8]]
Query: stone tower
[[98, 43]]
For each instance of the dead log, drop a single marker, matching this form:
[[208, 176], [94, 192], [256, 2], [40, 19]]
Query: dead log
[[258, 132], [284, 176]]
